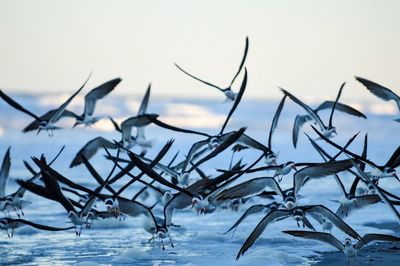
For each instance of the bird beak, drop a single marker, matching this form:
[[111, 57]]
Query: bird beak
[[76, 123], [395, 176], [294, 167], [38, 131]]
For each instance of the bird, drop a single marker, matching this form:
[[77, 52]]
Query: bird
[[52, 190], [301, 119], [14, 201], [47, 124], [127, 140], [387, 170], [348, 248], [91, 98], [318, 170], [229, 94], [327, 131], [299, 214], [349, 201]]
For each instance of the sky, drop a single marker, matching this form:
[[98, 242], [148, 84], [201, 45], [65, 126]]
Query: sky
[[308, 47]]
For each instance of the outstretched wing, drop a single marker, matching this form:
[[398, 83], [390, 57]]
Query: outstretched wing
[[4, 172], [145, 101], [380, 91], [16, 105], [323, 237], [270, 217], [246, 49], [237, 101], [58, 112], [90, 149], [97, 94], [375, 237]]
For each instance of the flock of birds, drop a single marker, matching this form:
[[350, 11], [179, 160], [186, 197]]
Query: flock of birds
[[184, 185]]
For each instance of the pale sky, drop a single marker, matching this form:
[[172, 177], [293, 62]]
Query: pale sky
[[309, 47]]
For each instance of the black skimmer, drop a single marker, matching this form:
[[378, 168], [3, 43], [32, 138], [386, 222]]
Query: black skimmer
[[348, 248], [387, 170], [299, 214], [14, 201], [349, 201], [319, 170], [91, 98], [127, 140], [301, 119], [327, 131], [230, 95], [47, 124]]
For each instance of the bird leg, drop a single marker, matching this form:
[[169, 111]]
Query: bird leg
[[170, 240], [16, 212], [162, 244]]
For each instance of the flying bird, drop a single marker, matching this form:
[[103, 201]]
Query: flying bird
[[230, 95]]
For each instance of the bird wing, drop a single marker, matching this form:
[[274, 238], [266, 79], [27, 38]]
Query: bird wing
[[319, 170], [226, 140], [41, 226], [135, 121], [298, 123], [255, 234], [323, 237], [250, 187], [307, 108], [132, 208], [378, 191], [252, 210], [362, 166], [375, 237], [380, 91], [246, 49], [97, 94], [4, 172], [340, 107], [252, 143], [90, 149], [154, 120], [394, 160], [365, 200], [198, 79], [59, 111], [145, 101], [334, 105], [154, 175], [333, 218], [237, 101], [17, 106], [195, 147], [275, 121]]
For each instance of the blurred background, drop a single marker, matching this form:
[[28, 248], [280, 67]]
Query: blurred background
[[309, 47]]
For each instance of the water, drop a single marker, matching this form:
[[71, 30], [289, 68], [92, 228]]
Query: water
[[200, 239]]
